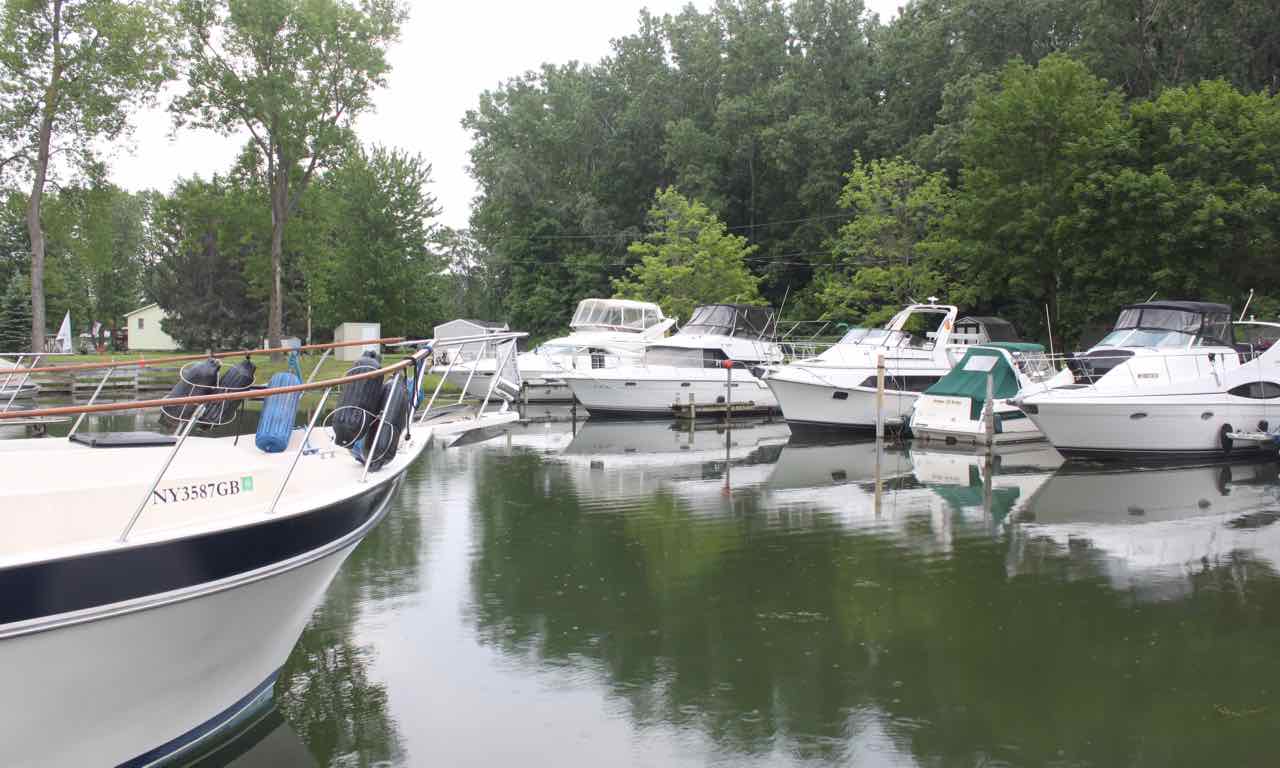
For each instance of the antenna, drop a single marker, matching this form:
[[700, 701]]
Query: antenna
[[1247, 302], [1152, 296]]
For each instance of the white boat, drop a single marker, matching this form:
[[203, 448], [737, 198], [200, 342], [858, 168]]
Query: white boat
[[1194, 394], [974, 402], [689, 367], [155, 584], [837, 389], [603, 333]]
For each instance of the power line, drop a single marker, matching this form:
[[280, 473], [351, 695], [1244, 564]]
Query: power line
[[633, 232]]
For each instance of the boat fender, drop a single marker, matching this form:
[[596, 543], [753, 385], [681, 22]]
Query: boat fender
[[193, 380], [237, 378], [278, 414], [396, 402], [358, 410], [1224, 438]]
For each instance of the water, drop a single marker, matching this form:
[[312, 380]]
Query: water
[[634, 594]]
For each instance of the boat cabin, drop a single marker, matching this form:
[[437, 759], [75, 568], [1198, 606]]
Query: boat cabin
[[614, 315], [919, 326], [1161, 326], [718, 332]]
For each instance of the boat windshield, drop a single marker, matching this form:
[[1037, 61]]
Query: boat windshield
[[608, 315], [1168, 328], [881, 337], [726, 320], [1036, 366]]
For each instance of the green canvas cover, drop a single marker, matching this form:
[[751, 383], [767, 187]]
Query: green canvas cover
[[964, 382]]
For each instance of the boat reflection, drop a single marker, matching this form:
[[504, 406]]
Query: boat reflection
[[1154, 531], [269, 743]]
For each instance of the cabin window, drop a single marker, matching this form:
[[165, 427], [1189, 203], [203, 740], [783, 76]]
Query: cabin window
[[140, 323], [1257, 390]]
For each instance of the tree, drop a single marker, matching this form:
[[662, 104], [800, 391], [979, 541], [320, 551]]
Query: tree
[[295, 74], [380, 264], [206, 231], [687, 259], [883, 257], [15, 315], [71, 73], [1024, 150]]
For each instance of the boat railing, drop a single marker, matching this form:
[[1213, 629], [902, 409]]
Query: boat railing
[[421, 350], [505, 337]]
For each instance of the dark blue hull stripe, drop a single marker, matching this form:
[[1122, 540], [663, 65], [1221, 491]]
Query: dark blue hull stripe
[[204, 729], [87, 581]]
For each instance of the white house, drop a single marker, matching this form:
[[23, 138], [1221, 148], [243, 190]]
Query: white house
[[145, 331]]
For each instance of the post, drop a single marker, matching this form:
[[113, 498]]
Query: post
[[989, 411], [182, 438], [693, 410], [96, 392], [879, 397], [728, 390], [302, 447]]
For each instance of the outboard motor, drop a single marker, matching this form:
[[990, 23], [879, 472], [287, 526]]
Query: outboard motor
[[237, 378], [357, 412], [193, 380]]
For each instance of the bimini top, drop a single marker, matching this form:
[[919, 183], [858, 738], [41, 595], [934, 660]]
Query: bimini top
[[743, 320], [1170, 324], [615, 315]]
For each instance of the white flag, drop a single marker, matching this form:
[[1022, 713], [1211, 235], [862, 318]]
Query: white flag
[[64, 334]]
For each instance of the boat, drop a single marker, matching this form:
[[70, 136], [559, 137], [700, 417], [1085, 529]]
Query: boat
[[974, 402], [603, 333], [1194, 394], [838, 388], [156, 583], [714, 359]]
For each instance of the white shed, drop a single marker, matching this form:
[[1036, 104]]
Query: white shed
[[356, 332], [145, 331]]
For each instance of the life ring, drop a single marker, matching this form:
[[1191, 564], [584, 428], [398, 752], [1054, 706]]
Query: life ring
[[1224, 438]]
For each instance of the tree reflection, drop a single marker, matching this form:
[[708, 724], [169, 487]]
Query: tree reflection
[[324, 689], [766, 637]]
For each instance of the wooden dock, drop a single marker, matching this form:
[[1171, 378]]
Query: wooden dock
[[686, 411], [132, 378]]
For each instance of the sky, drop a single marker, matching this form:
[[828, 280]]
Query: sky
[[439, 68]]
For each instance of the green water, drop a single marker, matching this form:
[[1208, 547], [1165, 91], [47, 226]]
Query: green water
[[636, 595]]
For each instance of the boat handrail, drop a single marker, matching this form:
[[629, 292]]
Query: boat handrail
[[143, 362], [249, 394]]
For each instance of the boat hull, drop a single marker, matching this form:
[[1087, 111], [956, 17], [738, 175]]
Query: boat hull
[[646, 395], [1187, 426], [159, 674], [817, 406], [947, 419]]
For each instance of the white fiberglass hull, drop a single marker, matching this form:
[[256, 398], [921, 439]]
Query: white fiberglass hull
[[147, 679], [947, 419], [653, 391], [1175, 425], [820, 405]]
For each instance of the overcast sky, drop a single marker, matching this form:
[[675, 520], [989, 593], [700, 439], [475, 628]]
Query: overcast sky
[[448, 54]]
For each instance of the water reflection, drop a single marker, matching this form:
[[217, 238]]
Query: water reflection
[[814, 615], [269, 743], [325, 689]]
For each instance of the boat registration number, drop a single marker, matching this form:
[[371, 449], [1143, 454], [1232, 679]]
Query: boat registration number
[[196, 491]]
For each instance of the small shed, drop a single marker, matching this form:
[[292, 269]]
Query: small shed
[[356, 332], [981, 330], [145, 332]]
